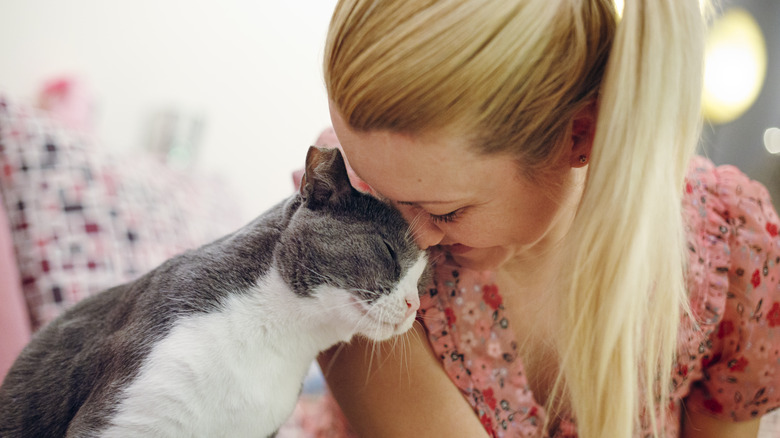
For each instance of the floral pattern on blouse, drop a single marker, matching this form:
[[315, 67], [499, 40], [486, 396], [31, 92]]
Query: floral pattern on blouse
[[729, 368]]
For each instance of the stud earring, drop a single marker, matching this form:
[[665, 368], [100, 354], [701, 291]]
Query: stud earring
[[583, 159]]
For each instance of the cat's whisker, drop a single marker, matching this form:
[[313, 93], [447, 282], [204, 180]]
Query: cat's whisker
[[371, 354], [357, 289], [378, 352], [359, 322], [418, 337], [408, 234], [425, 319], [435, 256], [411, 226], [414, 225], [348, 304], [413, 337], [405, 354], [395, 349], [319, 275], [332, 361], [376, 349]]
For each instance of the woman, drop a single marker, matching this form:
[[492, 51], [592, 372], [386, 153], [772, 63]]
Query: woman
[[591, 279]]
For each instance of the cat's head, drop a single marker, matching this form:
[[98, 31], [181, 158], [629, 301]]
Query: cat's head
[[351, 253]]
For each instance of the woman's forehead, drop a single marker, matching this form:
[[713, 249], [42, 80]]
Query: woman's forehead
[[422, 170]]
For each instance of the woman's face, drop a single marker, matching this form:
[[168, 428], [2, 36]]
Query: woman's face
[[477, 207]]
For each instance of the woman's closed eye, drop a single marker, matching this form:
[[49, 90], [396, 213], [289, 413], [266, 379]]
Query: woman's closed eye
[[435, 218], [445, 218]]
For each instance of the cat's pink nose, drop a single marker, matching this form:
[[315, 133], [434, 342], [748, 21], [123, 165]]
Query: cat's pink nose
[[412, 304]]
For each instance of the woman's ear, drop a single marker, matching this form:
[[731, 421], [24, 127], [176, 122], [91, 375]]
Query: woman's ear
[[583, 129]]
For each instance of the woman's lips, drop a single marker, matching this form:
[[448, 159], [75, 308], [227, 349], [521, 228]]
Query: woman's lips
[[457, 248]]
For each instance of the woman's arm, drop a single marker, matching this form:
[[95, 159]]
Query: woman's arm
[[397, 389], [698, 425]]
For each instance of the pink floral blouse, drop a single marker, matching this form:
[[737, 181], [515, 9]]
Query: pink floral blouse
[[730, 369]]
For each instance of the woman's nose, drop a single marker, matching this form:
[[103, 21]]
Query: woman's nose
[[425, 232], [428, 235]]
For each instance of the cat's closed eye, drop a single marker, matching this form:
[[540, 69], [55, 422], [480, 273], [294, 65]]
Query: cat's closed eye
[[393, 257]]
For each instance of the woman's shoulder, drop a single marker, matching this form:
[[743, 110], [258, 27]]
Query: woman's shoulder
[[729, 193], [727, 186], [733, 280], [731, 231]]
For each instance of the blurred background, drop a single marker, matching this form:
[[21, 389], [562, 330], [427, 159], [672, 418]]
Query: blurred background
[[234, 87], [742, 90], [231, 87]]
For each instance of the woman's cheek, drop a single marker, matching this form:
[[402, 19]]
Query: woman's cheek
[[484, 234], [466, 233]]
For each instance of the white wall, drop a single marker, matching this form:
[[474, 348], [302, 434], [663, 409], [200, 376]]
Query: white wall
[[252, 67]]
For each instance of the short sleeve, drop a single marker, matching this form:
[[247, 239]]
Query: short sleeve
[[740, 357]]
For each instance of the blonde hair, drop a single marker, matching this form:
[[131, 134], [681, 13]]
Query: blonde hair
[[428, 65], [511, 77]]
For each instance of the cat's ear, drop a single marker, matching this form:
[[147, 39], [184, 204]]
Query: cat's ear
[[325, 180]]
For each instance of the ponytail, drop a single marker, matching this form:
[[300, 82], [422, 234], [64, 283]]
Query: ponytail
[[627, 290]]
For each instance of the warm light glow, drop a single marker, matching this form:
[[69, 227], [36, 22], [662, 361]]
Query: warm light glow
[[619, 7], [772, 140], [735, 66], [620, 3]]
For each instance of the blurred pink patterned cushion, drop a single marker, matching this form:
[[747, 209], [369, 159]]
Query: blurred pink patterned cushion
[[14, 324], [83, 220]]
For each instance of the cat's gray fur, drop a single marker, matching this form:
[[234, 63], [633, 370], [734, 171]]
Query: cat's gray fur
[[75, 376]]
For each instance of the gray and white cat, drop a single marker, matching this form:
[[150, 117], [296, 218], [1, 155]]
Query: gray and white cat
[[216, 341]]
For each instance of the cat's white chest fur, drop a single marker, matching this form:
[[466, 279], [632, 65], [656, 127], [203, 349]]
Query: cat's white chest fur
[[237, 372], [224, 373]]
